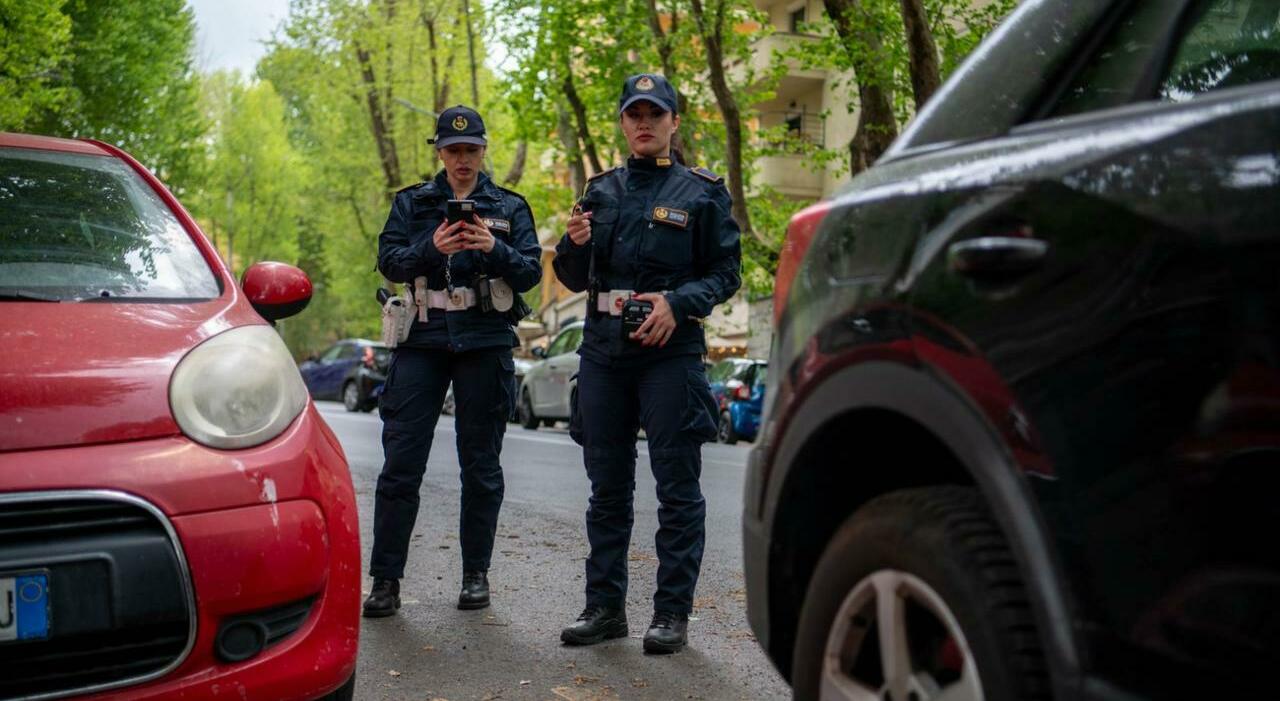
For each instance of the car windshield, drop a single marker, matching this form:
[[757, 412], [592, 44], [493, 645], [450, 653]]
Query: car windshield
[[76, 226]]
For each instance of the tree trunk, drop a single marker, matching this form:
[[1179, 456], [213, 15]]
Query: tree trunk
[[877, 125], [580, 115], [684, 137], [712, 36], [378, 123], [517, 166], [577, 173], [432, 47], [471, 50], [925, 76]]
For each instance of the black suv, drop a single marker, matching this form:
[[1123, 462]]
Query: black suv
[[1022, 435]]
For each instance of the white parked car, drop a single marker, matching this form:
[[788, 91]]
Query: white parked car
[[548, 386]]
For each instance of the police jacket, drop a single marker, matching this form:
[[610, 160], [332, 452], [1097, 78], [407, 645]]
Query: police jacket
[[656, 226], [406, 250]]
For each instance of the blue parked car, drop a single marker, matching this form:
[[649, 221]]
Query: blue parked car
[[352, 370], [741, 398]]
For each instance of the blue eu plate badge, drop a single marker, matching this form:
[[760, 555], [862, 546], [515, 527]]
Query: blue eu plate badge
[[24, 607]]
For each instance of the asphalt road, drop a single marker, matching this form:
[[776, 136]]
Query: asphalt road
[[512, 650]]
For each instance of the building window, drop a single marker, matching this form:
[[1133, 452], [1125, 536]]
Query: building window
[[797, 18]]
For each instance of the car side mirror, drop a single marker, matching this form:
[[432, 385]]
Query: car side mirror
[[276, 290], [539, 352]]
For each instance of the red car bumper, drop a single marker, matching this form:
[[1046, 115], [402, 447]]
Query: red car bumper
[[259, 528]]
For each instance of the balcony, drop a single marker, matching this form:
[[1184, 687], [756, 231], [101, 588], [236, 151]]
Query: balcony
[[765, 49]]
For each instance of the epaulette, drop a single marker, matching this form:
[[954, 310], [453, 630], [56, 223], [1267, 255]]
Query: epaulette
[[706, 174], [425, 183], [601, 174]]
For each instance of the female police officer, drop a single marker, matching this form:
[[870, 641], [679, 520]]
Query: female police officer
[[650, 233], [463, 340]]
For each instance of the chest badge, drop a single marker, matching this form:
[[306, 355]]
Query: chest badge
[[674, 217], [497, 224]]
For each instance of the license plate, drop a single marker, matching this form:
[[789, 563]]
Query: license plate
[[24, 607]]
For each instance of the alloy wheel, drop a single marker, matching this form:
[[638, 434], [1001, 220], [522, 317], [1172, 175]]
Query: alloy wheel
[[895, 639], [351, 396]]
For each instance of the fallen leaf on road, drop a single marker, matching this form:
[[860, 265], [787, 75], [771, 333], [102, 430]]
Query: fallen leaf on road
[[428, 648], [639, 683], [393, 673], [582, 679], [525, 682]]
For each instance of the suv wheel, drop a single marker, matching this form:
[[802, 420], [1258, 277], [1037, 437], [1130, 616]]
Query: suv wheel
[[917, 598], [351, 396], [724, 432], [527, 417]]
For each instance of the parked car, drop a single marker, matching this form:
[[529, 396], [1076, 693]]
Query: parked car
[[353, 370], [549, 384], [176, 520], [1023, 420], [740, 417], [731, 379]]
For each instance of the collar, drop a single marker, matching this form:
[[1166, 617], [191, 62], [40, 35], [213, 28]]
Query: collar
[[659, 164], [484, 185]]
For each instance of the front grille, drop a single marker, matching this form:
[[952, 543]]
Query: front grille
[[119, 595]]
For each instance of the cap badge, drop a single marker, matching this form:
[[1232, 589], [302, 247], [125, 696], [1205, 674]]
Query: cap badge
[[645, 84], [459, 123]]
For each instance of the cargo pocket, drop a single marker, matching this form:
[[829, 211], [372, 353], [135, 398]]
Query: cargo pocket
[[575, 416], [389, 400], [699, 421], [507, 381]]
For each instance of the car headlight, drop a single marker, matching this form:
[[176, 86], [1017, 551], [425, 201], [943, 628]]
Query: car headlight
[[237, 389]]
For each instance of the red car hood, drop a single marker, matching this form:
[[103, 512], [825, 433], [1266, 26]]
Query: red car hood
[[98, 372]]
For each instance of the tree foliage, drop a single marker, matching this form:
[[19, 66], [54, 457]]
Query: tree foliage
[[298, 161]]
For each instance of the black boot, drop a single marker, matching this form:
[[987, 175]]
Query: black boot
[[669, 632], [475, 590], [596, 624], [384, 599]]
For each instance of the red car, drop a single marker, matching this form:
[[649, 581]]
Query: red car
[[176, 521]]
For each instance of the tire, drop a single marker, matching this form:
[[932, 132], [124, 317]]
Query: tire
[[966, 619], [351, 396], [527, 418], [724, 432], [346, 692]]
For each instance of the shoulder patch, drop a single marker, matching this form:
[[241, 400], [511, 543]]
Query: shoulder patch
[[706, 174]]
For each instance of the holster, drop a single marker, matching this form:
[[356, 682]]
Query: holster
[[397, 319]]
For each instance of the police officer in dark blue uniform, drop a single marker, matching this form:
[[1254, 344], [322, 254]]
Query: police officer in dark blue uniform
[[651, 240], [472, 268]]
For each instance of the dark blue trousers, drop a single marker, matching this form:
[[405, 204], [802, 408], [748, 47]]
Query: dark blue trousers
[[671, 400], [410, 406]]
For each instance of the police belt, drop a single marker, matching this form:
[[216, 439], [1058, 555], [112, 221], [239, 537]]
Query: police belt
[[460, 299], [610, 301]]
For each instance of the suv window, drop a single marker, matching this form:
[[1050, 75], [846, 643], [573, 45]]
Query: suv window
[[1221, 44], [1228, 43], [566, 342], [76, 226], [349, 351], [331, 354]]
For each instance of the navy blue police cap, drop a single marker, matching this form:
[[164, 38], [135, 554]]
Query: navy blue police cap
[[648, 86], [459, 125]]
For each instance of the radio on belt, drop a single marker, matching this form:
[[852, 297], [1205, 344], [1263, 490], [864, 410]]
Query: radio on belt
[[634, 312]]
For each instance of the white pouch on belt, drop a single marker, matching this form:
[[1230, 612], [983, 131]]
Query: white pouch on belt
[[397, 318], [501, 294]]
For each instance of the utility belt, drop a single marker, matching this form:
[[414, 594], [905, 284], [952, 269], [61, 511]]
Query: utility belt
[[610, 302], [399, 312]]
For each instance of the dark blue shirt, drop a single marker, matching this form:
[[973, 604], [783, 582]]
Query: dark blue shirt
[[406, 250], [655, 227]]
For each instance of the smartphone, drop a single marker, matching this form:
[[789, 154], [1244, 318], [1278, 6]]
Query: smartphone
[[460, 210]]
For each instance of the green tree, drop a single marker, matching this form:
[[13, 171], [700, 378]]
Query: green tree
[[34, 39], [129, 81]]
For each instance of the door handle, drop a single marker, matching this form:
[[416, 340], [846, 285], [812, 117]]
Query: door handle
[[996, 255]]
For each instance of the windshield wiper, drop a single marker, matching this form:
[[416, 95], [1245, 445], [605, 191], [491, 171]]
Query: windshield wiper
[[26, 296]]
